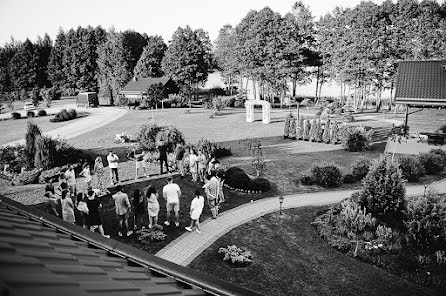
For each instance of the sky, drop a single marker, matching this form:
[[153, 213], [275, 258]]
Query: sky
[[23, 19]]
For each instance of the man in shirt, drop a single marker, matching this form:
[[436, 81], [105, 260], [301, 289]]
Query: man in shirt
[[162, 149], [122, 205], [172, 194], [179, 155], [113, 163]]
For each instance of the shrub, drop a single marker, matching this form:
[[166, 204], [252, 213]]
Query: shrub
[[440, 152], [383, 193], [299, 128], [411, 167], [28, 177], [53, 173], [313, 130], [233, 170], [33, 131], [432, 162], [212, 148], [306, 130], [259, 184], [292, 131], [349, 179], [326, 174], [30, 114], [64, 115], [67, 154], [334, 133], [306, 180], [326, 133], [426, 223], [72, 113], [360, 168], [45, 152], [239, 180], [147, 236], [41, 113], [286, 129], [235, 255], [150, 134], [16, 115], [355, 139]]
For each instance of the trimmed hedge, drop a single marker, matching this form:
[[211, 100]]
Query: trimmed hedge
[[239, 180], [233, 170], [259, 184], [30, 114], [64, 115]]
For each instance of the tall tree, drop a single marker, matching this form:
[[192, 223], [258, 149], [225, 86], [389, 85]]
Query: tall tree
[[56, 73], [149, 64], [134, 43], [24, 67], [43, 47], [226, 54]]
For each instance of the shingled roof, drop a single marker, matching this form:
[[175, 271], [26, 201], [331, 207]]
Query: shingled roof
[[43, 255], [140, 85], [421, 83]]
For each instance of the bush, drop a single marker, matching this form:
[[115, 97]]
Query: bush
[[238, 180], [53, 173], [426, 223], [16, 115], [355, 139], [150, 134], [306, 180], [67, 154], [348, 179], [211, 148], [360, 168], [411, 167], [299, 128], [440, 152], [45, 152], [41, 113], [30, 114], [306, 130], [235, 256], [383, 193], [233, 170], [259, 184], [64, 115], [326, 174], [326, 133], [148, 236], [28, 177], [72, 113], [432, 162]]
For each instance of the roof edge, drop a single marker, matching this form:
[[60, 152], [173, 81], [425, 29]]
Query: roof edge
[[182, 274]]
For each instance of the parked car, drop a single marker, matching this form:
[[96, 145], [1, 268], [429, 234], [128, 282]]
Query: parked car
[[29, 106]]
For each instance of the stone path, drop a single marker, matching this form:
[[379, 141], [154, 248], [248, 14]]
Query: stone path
[[188, 246]]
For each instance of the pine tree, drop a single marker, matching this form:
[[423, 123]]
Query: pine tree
[[319, 131], [326, 134], [23, 67], [149, 64], [306, 131], [45, 152], [300, 128], [32, 132], [313, 130], [292, 133]]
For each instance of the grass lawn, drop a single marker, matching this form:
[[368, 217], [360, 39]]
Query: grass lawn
[[289, 258]]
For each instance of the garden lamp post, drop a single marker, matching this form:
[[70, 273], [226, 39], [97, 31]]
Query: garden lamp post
[[281, 198]]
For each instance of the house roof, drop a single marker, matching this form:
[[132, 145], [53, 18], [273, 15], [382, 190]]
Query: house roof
[[421, 83], [141, 84], [43, 255]]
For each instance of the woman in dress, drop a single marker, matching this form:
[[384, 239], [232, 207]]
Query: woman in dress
[[94, 218], [193, 167], [201, 160], [86, 173], [67, 207], [153, 206], [138, 205], [71, 180], [196, 208]]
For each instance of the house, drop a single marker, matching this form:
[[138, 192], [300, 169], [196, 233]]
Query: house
[[136, 89], [44, 255]]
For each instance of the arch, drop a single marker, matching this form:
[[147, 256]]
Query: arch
[[266, 110]]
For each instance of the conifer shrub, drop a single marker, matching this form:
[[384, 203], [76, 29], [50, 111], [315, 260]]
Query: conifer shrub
[[383, 193], [286, 129], [313, 130], [334, 133], [432, 162], [326, 133], [300, 128], [411, 167], [355, 139], [306, 130], [326, 174], [360, 168], [292, 131], [319, 131], [45, 152], [32, 132]]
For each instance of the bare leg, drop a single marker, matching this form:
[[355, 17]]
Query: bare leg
[[101, 229], [155, 220], [177, 217]]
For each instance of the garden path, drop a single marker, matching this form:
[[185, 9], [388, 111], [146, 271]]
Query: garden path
[[188, 246], [98, 117]]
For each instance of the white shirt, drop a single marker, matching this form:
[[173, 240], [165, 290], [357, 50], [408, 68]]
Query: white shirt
[[172, 193], [71, 178], [113, 161]]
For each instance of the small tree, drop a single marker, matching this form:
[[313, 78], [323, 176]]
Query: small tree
[[45, 152], [286, 130], [326, 134], [33, 131], [313, 130], [300, 128], [383, 193], [155, 94], [292, 133], [306, 132]]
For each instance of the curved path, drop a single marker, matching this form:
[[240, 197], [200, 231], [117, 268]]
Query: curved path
[[97, 118], [188, 246]]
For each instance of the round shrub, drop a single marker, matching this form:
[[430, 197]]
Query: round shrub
[[16, 115], [360, 168], [432, 163], [239, 180], [355, 139], [150, 134], [326, 174], [440, 152], [42, 113], [30, 114], [259, 184], [411, 167], [72, 113], [306, 180], [349, 179], [233, 170]]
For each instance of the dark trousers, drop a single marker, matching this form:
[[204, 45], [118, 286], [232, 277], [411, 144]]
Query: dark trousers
[[114, 171], [163, 160]]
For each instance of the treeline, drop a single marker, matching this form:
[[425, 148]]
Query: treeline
[[359, 47], [92, 59]]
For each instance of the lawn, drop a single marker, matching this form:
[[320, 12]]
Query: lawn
[[289, 258]]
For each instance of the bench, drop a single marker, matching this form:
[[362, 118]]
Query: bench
[[435, 138], [380, 134]]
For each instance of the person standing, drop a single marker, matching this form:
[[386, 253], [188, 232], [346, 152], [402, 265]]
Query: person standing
[[193, 168], [83, 209], [201, 161], [212, 188], [138, 206], [196, 208], [172, 195], [94, 218], [162, 150], [67, 207], [71, 180], [153, 207], [122, 205], [179, 155], [51, 204], [49, 185], [113, 163], [86, 173]]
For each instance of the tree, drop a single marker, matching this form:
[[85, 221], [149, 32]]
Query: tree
[[149, 64], [155, 94], [43, 47], [56, 73], [23, 67], [188, 57], [226, 54], [32, 133]]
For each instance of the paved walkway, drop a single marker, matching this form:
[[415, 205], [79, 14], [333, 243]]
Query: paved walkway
[[189, 245]]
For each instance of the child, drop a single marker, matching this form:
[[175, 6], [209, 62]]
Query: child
[[86, 173], [94, 218], [196, 208], [67, 207], [153, 206], [51, 204], [82, 208], [138, 205]]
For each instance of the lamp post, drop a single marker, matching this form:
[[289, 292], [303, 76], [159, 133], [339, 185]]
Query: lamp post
[[280, 202]]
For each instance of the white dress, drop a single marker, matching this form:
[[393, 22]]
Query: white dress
[[196, 207]]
